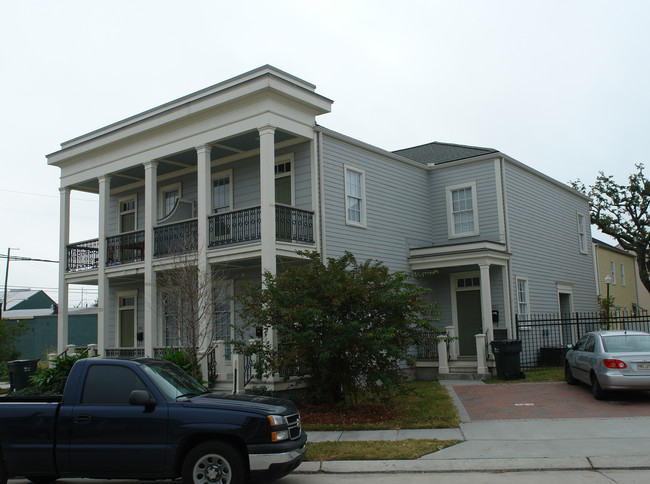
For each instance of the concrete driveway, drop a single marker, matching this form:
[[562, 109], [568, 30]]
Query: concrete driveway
[[552, 400]]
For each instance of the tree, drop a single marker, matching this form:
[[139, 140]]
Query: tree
[[342, 327], [9, 334], [190, 298], [622, 212]]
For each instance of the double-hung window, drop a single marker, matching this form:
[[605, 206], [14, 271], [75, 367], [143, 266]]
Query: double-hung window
[[221, 192], [169, 195], [355, 208], [462, 211], [127, 217], [523, 305]]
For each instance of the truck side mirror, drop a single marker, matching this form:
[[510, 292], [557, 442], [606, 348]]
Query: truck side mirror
[[142, 398]]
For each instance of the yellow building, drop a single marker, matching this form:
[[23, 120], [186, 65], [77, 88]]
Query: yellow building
[[616, 268]]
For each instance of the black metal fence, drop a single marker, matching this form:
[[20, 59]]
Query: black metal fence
[[544, 337]]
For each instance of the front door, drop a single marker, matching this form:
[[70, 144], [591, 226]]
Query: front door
[[468, 310]]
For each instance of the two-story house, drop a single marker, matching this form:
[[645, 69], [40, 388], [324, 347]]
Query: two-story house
[[240, 176], [616, 275]]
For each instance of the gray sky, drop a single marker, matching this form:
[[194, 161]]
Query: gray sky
[[562, 86]]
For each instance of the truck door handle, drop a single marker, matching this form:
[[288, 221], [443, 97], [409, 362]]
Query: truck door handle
[[82, 419]]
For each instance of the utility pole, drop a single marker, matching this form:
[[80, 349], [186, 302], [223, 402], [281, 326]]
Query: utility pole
[[4, 303]]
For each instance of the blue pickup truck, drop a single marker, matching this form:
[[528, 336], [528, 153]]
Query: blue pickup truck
[[147, 419]]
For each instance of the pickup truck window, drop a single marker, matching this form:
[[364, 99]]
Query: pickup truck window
[[110, 385], [172, 381]]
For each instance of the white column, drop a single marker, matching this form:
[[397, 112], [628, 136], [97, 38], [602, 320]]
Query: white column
[[486, 301], [204, 180], [64, 240], [267, 198], [150, 308], [103, 299]]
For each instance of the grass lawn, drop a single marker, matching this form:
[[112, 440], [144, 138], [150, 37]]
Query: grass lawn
[[534, 375], [423, 405], [375, 449]]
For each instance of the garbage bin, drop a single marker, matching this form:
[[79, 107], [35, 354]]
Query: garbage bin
[[19, 373], [506, 353]]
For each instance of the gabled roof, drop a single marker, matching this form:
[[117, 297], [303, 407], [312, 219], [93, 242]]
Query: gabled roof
[[28, 299], [607, 246], [436, 152]]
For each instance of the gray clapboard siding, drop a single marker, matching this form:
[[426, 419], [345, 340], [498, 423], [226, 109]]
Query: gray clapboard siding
[[396, 217], [543, 230], [451, 174]]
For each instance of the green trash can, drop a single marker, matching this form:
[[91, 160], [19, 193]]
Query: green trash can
[[19, 373], [506, 354]]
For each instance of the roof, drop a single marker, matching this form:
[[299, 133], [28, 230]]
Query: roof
[[605, 245], [28, 299], [437, 152]]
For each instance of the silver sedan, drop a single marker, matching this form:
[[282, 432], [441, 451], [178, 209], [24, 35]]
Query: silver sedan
[[610, 360]]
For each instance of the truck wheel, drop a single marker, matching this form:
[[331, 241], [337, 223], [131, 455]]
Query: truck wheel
[[213, 463], [42, 479]]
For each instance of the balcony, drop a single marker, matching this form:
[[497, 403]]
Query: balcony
[[239, 226], [227, 228], [83, 255]]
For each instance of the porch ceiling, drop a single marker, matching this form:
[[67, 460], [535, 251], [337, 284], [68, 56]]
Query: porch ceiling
[[241, 144]]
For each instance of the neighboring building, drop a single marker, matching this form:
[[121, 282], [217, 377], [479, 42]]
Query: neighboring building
[[621, 268], [242, 173], [27, 302]]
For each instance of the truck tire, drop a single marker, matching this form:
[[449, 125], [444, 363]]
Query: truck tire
[[42, 479], [213, 463]]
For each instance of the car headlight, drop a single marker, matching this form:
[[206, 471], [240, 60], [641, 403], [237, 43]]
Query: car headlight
[[277, 434]]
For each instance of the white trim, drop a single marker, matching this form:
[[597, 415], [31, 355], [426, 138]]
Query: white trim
[[229, 284], [363, 222], [612, 266], [221, 174], [623, 274], [564, 288], [119, 296], [161, 197], [451, 226], [279, 160], [120, 201], [454, 277]]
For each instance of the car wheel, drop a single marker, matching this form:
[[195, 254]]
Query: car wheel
[[596, 389], [213, 463], [568, 376]]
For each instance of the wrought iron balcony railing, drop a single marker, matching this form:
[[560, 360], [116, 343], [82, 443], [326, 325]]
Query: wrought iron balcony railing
[[236, 226], [124, 248], [83, 255], [176, 238]]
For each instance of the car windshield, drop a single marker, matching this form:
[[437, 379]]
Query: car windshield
[[172, 381], [627, 343]]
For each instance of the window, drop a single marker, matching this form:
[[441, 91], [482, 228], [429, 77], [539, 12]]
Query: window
[[284, 180], [171, 320], [127, 324], [613, 268], [110, 385], [355, 210], [622, 274], [127, 215], [462, 212], [582, 233], [222, 192], [168, 196], [223, 314], [522, 296]]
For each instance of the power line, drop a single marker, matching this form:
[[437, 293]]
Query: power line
[[47, 196], [19, 258]]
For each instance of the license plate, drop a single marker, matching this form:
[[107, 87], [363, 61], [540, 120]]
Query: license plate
[[643, 366]]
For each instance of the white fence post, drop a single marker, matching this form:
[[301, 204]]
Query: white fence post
[[71, 350], [92, 350], [453, 343], [481, 362], [443, 364]]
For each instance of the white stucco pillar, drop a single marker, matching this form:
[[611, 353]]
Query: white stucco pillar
[[453, 344], [150, 206], [486, 301], [481, 355], [103, 299], [204, 204], [64, 240], [443, 364]]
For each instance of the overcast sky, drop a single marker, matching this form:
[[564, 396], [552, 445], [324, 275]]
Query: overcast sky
[[562, 86]]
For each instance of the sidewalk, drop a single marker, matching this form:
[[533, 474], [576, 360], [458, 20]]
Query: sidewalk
[[507, 445]]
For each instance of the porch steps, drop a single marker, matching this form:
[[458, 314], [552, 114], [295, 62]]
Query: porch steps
[[463, 368]]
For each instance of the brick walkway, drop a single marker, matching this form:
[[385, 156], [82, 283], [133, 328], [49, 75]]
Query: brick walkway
[[547, 400]]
